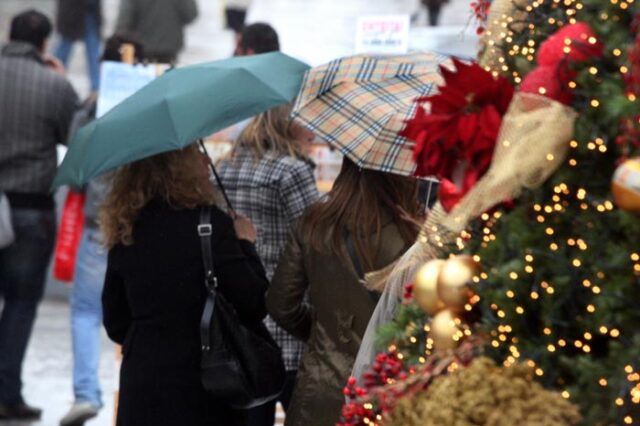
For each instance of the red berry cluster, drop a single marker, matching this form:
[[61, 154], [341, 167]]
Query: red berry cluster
[[407, 296], [480, 10], [351, 391], [354, 412], [372, 401], [390, 380], [387, 367]]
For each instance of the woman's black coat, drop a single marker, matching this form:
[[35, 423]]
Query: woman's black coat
[[153, 298]]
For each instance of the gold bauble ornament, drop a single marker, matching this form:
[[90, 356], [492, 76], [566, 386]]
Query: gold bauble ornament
[[625, 186], [455, 280], [425, 289], [444, 329]]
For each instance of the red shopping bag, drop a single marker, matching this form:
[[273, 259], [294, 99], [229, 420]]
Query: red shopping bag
[[69, 235]]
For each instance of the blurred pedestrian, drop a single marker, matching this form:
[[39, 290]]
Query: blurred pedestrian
[[36, 107], [235, 13], [154, 291], [367, 221], [158, 24], [80, 20], [269, 178], [91, 264], [257, 38], [434, 7]]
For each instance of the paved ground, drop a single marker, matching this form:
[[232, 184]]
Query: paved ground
[[313, 30], [47, 370]]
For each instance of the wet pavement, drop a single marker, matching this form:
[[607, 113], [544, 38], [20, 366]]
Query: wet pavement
[[47, 368]]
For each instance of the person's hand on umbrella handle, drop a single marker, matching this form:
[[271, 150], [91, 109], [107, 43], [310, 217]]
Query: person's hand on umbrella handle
[[244, 228]]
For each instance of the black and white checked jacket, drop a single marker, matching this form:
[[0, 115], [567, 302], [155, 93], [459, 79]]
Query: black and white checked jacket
[[272, 192]]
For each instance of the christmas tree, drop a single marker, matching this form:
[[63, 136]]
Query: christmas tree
[[548, 280]]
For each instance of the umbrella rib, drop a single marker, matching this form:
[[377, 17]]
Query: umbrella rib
[[167, 106]]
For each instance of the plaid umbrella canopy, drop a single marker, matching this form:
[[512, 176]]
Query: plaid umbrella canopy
[[360, 103]]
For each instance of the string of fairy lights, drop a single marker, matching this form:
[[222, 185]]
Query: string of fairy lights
[[500, 336], [562, 194], [522, 38]]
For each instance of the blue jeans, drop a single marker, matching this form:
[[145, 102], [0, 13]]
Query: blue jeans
[[23, 270], [86, 317], [92, 47]]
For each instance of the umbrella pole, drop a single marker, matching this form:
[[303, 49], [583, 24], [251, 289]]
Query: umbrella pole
[[426, 208], [220, 185]]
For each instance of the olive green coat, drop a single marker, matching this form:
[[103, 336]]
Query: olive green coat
[[332, 320]]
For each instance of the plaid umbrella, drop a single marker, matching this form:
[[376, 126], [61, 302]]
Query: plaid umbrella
[[359, 104]]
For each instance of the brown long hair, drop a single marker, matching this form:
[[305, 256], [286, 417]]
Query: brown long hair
[[359, 202], [270, 131], [173, 177]]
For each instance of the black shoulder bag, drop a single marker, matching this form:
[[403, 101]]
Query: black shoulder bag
[[240, 365]]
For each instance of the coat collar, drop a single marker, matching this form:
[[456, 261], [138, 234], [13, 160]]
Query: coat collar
[[19, 49]]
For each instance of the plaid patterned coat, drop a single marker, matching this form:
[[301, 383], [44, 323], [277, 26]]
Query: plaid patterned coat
[[273, 192]]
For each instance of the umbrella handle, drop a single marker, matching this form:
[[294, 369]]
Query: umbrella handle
[[218, 180]]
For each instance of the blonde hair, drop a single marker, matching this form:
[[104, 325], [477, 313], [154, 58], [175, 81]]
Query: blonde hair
[[270, 131], [171, 177]]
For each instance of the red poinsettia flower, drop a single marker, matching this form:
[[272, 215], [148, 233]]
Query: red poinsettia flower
[[461, 127]]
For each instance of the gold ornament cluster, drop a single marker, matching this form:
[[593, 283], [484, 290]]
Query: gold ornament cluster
[[443, 289], [484, 394]]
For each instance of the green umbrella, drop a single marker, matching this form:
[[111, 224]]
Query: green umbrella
[[179, 108]]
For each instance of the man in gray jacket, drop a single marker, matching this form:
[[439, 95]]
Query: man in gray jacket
[[36, 108], [158, 24]]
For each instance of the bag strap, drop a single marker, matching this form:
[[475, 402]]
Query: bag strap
[[351, 251], [210, 279]]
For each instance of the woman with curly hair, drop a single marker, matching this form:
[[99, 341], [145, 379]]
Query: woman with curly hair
[[154, 290]]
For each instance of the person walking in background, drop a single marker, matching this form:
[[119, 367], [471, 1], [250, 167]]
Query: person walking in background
[[235, 12], [80, 20], [269, 178], [257, 38], [154, 292], [158, 24], [367, 221], [91, 264], [36, 108], [434, 7]]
